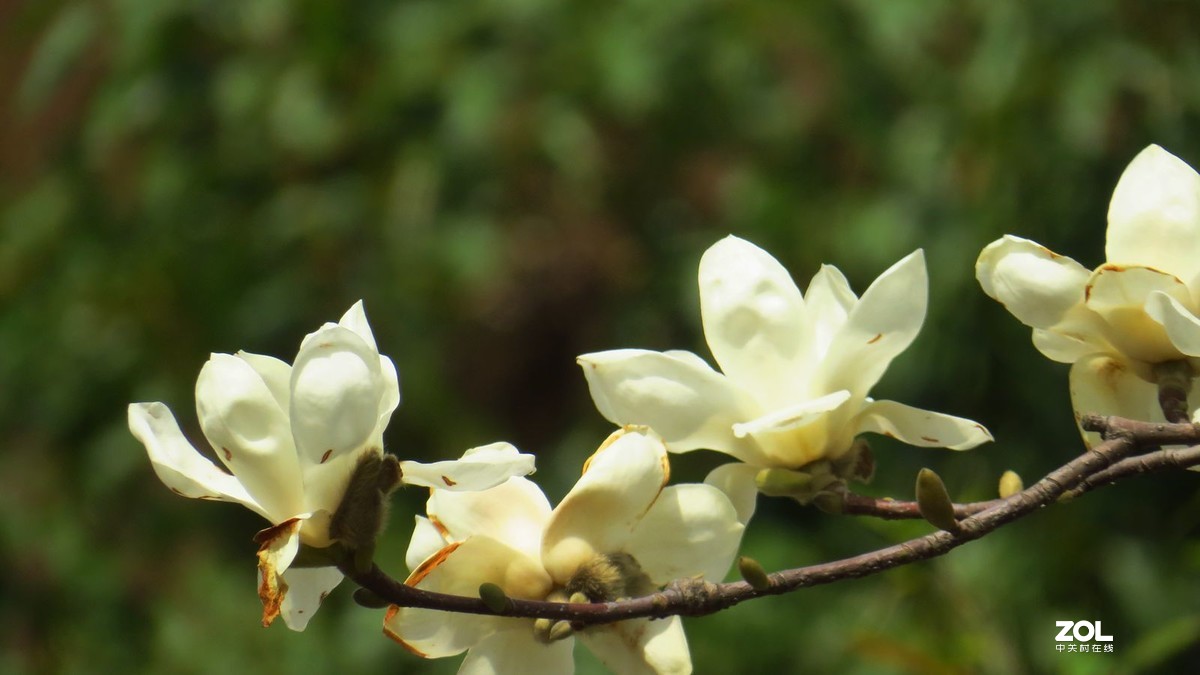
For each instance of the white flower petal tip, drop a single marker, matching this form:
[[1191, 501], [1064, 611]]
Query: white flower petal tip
[[355, 319], [1036, 284], [922, 428], [479, 468], [178, 465], [675, 393], [1154, 215]]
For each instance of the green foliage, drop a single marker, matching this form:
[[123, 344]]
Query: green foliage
[[509, 184]]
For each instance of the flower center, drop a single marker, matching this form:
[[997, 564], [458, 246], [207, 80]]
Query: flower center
[[603, 578]]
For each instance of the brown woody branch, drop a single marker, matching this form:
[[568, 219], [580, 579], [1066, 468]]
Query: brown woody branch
[[1107, 462]]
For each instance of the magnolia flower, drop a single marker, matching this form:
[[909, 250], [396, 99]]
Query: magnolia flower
[[618, 533], [1136, 311], [796, 370], [293, 438]]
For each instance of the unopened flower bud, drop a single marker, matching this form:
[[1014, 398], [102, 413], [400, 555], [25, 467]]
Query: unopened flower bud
[[561, 630], [753, 573], [494, 597], [934, 502], [1010, 484]]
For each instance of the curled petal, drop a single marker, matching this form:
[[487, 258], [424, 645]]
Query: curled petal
[[1154, 216], [1118, 295], [922, 428], [514, 650], [675, 393], [737, 482], [459, 569], [754, 319], [641, 646], [243, 421], [793, 417], [691, 530], [278, 546], [884, 322], [1181, 325], [306, 590], [479, 469], [515, 512], [1105, 385], [620, 482], [178, 465], [1037, 285]]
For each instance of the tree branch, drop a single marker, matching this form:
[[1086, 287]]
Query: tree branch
[[1102, 465]]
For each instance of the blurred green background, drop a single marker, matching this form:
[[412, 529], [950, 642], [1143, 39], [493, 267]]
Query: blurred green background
[[507, 185]]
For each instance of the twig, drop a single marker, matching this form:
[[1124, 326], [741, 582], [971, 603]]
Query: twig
[[1103, 464]]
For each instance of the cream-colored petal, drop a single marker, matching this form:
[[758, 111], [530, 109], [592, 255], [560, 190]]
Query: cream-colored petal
[[390, 399], [736, 480], [794, 416], [514, 651], [178, 465], [336, 387], [337, 390], [1035, 284], [426, 540], [754, 320], [243, 421], [1118, 294], [922, 428], [355, 319], [641, 646], [514, 512], [459, 569], [691, 530], [1105, 385], [479, 468], [1061, 348], [829, 301], [675, 393], [1182, 327], [620, 482], [276, 374], [278, 546], [881, 326], [1154, 216], [307, 588]]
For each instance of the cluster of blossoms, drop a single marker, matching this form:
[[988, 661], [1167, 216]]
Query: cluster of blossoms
[[1131, 322], [303, 444]]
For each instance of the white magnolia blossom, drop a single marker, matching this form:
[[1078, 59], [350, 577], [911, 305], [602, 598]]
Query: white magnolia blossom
[[291, 437], [1137, 310], [618, 533], [796, 369]]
